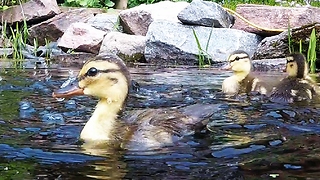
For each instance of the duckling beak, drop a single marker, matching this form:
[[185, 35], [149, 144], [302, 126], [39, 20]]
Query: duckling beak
[[70, 90]]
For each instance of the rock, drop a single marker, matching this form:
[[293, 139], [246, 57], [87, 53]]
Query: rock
[[32, 11], [137, 20], [269, 64], [278, 46], [206, 13], [274, 17], [105, 22], [128, 47], [5, 42], [272, 47], [5, 52], [76, 59], [53, 29], [82, 37], [174, 43]]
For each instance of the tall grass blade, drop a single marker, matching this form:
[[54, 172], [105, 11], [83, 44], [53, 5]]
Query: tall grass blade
[[312, 56]]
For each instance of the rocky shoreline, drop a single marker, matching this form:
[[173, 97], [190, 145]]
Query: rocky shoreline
[[163, 33]]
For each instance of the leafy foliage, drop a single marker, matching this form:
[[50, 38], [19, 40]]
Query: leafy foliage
[[89, 3]]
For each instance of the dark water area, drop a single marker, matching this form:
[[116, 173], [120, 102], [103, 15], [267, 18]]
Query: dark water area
[[247, 138]]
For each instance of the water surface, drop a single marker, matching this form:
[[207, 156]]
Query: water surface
[[248, 138]]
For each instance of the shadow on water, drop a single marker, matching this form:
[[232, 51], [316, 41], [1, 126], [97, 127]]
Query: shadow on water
[[249, 138]]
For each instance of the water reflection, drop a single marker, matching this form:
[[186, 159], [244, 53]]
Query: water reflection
[[248, 137]]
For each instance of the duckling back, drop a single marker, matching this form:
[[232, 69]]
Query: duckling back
[[297, 86]]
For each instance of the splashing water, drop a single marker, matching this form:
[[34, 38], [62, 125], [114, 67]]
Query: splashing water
[[71, 78]]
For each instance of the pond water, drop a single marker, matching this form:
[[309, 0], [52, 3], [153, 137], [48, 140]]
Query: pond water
[[248, 138]]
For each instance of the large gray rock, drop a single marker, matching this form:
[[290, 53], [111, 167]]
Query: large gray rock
[[105, 22], [127, 47], [278, 46], [174, 43], [273, 47], [82, 37], [53, 29], [275, 17], [206, 13], [137, 20], [33, 10]]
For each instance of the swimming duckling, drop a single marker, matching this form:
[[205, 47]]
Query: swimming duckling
[[107, 78], [297, 86], [242, 80]]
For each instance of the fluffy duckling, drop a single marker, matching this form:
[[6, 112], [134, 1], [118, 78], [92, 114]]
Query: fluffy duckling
[[242, 80], [297, 86], [107, 78]]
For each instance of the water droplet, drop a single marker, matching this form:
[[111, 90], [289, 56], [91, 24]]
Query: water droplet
[[53, 118], [24, 105], [70, 104], [60, 99]]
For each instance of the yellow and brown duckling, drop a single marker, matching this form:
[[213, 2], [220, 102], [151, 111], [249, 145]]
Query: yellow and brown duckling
[[242, 80], [297, 86], [107, 78]]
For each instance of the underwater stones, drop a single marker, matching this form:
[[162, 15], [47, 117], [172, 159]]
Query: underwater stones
[[174, 43]]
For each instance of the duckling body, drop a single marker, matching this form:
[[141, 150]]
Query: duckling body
[[297, 86], [107, 78], [242, 80]]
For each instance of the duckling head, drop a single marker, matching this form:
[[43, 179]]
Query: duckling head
[[296, 65], [240, 62], [105, 77]]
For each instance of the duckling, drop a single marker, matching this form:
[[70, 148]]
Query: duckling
[[242, 80], [297, 86], [107, 78]]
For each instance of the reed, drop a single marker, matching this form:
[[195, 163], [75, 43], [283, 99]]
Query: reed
[[312, 55], [204, 57]]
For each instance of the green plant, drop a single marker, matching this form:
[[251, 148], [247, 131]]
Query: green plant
[[203, 55], [300, 46], [36, 46], [4, 37], [312, 56], [17, 42], [290, 45], [89, 3]]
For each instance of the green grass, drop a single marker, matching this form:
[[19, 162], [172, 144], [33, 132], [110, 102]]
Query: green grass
[[312, 56], [310, 49], [203, 55]]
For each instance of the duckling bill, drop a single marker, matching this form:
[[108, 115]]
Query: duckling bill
[[297, 86], [108, 78]]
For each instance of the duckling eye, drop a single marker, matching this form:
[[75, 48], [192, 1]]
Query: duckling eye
[[237, 58], [92, 72]]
